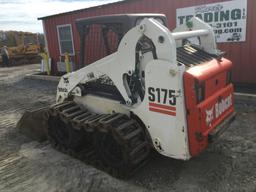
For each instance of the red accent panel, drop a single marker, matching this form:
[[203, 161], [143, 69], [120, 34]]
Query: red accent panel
[[210, 69], [200, 123], [209, 103], [162, 106], [162, 111], [215, 83]]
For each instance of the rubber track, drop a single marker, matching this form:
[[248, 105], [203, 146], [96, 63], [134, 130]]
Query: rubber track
[[88, 128]]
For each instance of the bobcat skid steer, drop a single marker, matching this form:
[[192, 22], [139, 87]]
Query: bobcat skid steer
[[158, 91]]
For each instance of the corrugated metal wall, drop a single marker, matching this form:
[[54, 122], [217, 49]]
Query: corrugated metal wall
[[242, 54]]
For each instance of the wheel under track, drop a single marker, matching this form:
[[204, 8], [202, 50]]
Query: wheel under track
[[113, 143]]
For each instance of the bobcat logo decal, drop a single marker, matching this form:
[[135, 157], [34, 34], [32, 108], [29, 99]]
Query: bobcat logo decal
[[209, 116], [218, 109], [66, 80]]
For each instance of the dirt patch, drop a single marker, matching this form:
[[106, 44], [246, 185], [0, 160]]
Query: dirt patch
[[26, 165]]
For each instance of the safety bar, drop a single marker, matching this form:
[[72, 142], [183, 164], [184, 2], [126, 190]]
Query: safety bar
[[188, 34], [196, 28]]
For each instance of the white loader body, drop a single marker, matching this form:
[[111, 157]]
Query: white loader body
[[163, 108]]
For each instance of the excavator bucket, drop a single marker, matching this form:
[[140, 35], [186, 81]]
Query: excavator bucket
[[34, 124]]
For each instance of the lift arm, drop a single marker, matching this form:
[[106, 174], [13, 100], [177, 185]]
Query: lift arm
[[122, 62]]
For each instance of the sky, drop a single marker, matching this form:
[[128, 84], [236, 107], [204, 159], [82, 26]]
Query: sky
[[21, 15]]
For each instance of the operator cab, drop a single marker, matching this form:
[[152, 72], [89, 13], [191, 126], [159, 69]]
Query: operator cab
[[110, 29], [100, 36]]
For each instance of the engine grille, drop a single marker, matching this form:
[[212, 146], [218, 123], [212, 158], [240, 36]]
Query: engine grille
[[190, 55]]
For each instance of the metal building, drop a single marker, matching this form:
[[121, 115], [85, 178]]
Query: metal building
[[61, 34]]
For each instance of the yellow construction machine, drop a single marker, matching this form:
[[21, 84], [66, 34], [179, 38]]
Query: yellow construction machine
[[24, 47]]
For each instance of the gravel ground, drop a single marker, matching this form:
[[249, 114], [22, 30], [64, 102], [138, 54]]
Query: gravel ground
[[26, 165], [12, 74]]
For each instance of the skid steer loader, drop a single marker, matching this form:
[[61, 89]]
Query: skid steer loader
[[158, 91]]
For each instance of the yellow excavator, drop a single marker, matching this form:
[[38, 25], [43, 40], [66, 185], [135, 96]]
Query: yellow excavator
[[26, 49]]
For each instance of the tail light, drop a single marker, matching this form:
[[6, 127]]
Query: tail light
[[229, 77], [200, 90]]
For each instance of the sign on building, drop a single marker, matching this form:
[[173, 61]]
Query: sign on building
[[228, 19]]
